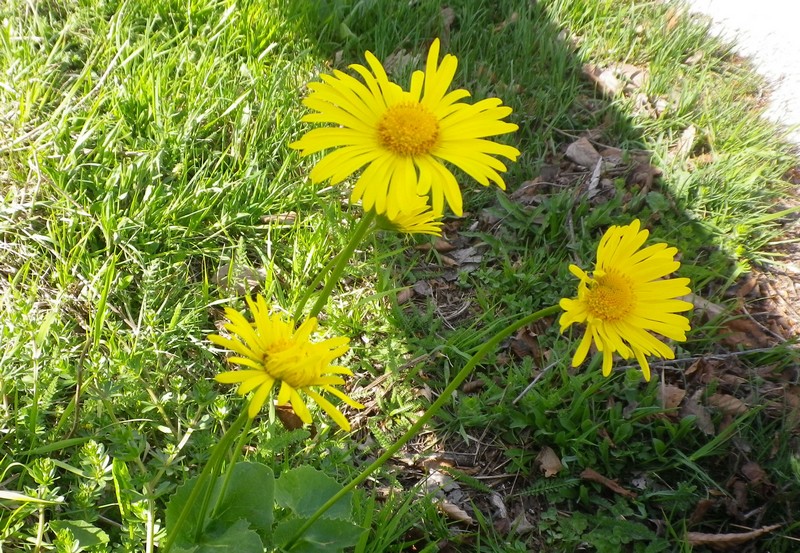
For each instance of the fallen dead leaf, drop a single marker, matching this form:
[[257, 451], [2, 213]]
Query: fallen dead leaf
[[754, 473], [455, 512], [604, 79], [594, 476], [242, 279], [722, 542], [692, 406], [521, 524], [700, 511], [685, 143], [695, 58], [404, 295], [440, 245], [583, 153], [670, 396], [549, 462], [448, 18], [472, 386], [287, 219], [513, 18], [727, 404]]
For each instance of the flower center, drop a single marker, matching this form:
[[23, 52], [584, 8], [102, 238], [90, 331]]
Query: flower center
[[292, 365], [610, 297], [408, 129]]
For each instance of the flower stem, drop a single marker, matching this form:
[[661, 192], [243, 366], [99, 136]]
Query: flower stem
[[443, 398], [205, 483], [338, 269], [237, 451]]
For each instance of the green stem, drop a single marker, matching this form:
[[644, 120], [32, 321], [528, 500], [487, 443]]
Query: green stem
[[237, 451], [443, 398], [203, 484], [298, 311], [342, 259]]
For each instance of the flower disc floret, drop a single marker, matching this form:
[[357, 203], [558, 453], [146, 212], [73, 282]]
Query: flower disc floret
[[273, 353], [403, 139], [627, 298]]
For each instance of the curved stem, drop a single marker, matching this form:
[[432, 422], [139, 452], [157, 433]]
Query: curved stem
[[342, 259], [443, 398]]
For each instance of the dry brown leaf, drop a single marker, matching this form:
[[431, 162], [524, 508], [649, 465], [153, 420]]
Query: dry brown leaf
[[288, 417], [472, 386], [455, 512], [549, 462], [722, 542], [727, 404], [604, 79], [670, 396], [404, 295], [594, 476], [685, 143], [287, 218], [692, 406], [754, 473], [397, 62], [448, 18], [700, 511], [238, 278], [440, 245], [695, 58], [513, 18], [583, 153], [521, 524]]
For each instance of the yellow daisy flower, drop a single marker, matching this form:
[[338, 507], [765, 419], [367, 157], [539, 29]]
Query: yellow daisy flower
[[274, 352], [404, 137], [418, 218], [626, 298]]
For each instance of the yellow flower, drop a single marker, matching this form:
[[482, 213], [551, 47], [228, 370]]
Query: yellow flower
[[626, 298], [274, 352], [418, 218], [404, 137]]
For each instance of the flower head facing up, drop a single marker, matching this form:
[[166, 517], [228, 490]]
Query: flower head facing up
[[404, 137], [274, 352], [417, 218], [626, 298]]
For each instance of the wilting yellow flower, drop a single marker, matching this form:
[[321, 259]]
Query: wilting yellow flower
[[274, 352], [418, 218], [404, 137], [626, 298]]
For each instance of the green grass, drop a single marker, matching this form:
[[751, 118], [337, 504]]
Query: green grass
[[142, 145]]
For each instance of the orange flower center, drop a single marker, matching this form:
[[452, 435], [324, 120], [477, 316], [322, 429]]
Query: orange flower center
[[610, 297], [408, 129]]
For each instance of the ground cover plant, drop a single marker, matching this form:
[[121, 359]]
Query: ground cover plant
[[154, 187]]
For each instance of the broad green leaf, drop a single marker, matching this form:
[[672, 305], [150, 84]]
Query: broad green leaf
[[249, 497], [325, 535], [83, 532], [305, 489], [236, 538]]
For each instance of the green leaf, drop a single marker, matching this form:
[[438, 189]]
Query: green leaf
[[324, 535], [305, 489], [236, 538], [84, 533], [249, 497]]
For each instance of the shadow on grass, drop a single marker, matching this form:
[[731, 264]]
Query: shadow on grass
[[508, 256]]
